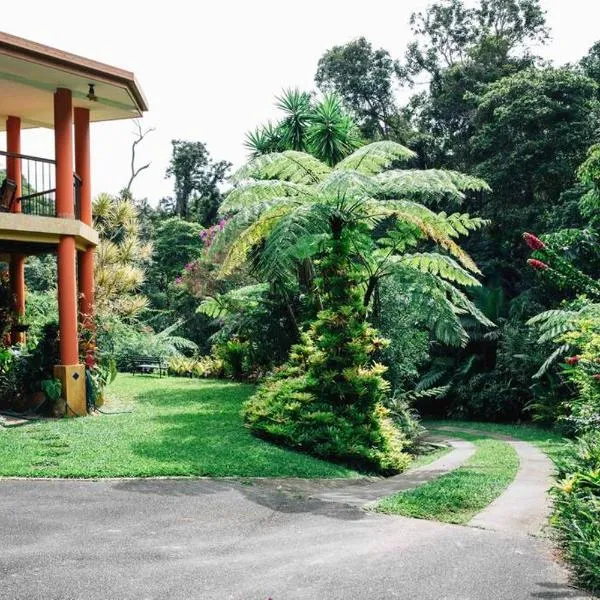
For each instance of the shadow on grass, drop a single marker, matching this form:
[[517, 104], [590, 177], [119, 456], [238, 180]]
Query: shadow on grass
[[195, 428]]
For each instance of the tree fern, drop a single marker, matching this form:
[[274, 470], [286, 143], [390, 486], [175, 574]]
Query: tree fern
[[376, 157], [260, 191], [293, 166]]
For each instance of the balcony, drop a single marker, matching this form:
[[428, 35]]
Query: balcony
[[38, 185]]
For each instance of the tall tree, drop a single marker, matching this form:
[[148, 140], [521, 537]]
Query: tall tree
[[197, 178], [531, 132], [365, 79], [461, 49]]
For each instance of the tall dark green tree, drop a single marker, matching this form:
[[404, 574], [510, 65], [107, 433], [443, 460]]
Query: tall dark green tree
[[365, 79], [459, 50], [197, 178]]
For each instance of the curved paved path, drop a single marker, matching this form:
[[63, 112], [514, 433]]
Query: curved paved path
[[524, 507], [186, 539], [358, 492]]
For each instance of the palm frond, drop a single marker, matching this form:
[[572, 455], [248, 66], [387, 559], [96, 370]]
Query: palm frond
[[376, 157]]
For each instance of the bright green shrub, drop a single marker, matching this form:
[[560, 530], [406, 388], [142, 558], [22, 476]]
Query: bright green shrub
[[328, 399], [577, 508]]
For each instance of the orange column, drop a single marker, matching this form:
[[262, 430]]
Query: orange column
[[17, 284], [17, 263], [63, 150], [67, 277], [13, 165], [83, 169], [67, 301]]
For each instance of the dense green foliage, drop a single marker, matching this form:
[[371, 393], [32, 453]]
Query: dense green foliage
[[577, 506]]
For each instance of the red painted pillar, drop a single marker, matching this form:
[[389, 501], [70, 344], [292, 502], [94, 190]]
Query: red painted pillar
[[17, 285], [67, 301], [17, 262], [63, 150], [67, 276], [83, 169], [13, 165]]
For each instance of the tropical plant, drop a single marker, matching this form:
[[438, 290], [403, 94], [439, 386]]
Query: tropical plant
[[353, 226], [321, 128], [120, 257], [285, 201], [576, 496]]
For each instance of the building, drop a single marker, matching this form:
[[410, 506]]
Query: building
[[46, 203]]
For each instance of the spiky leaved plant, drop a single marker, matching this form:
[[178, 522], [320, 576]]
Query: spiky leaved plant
[[120, 257]]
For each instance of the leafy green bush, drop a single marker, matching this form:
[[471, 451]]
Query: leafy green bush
[[577, 508], [205, 366], [328, 399]]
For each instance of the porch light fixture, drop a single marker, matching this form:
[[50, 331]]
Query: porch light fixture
[[91, 93]]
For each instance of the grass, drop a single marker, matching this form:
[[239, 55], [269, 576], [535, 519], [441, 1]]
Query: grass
[[178, 427], [459, 495]]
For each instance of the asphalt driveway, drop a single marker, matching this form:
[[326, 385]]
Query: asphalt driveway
[[172, 539]]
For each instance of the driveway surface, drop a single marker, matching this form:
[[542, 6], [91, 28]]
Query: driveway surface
[[183, 539]]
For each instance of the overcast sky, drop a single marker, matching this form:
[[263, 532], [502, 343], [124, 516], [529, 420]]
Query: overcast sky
[[210, 69]]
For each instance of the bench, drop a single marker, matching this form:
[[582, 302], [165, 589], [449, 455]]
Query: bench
[[147, 364]]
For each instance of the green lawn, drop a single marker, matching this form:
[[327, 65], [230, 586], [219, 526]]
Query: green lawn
[[458, 496], [178, 427]]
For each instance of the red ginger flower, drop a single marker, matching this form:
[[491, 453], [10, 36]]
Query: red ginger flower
[[533, 241], [573, 360], [537, 264]]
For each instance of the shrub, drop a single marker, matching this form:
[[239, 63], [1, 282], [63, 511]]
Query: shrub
[[577, 508], [205, 366], [328, 399]]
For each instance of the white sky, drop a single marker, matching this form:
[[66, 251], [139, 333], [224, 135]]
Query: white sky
[[211, 69]]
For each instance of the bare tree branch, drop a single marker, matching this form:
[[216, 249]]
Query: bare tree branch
[[140, 137]]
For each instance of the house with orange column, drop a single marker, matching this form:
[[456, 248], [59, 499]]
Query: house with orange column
[[46, 202]]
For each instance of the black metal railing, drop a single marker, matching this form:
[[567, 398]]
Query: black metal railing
[[38, 184]]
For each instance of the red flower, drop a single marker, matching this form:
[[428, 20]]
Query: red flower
[[572, 360], [533, 242], [90, 360], [537, 264]]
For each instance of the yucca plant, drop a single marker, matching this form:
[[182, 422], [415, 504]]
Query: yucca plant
[[120, 257], [321, 128]]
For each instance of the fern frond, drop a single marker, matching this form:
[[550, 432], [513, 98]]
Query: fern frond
[[431, 185], [251, 236], [551, 360], [376, 157], [433, 392], [347, 183], [292, 166], [438, 265], [260, 191]]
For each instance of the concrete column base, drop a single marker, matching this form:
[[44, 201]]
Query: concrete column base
[[72, 378]]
